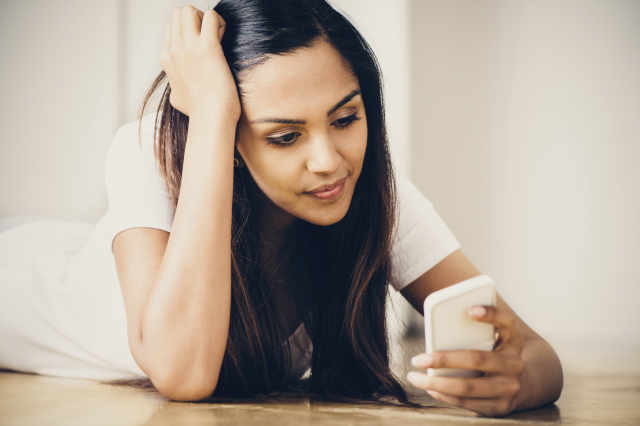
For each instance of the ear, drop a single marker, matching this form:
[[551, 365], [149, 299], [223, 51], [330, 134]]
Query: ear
[[237, 156], [236, 153]]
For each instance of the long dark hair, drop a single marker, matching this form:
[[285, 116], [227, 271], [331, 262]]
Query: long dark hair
[[343, 301]]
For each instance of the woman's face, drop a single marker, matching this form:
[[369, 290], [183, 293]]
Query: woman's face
[[303, 134]]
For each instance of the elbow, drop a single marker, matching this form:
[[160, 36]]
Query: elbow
[[186, 393], [176, 377], [185, 388], [559, 384], [555, 378], [181, 381]]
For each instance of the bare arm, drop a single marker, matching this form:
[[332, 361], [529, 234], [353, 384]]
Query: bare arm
[[177, 287], [536, 381]]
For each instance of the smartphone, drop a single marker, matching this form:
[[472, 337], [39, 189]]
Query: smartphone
[[448, 327]]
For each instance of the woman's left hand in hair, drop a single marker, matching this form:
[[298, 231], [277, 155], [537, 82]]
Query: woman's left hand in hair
[[495, 392]]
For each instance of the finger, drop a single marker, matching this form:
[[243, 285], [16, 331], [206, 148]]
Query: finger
[[504, 322], [491, 407], [176, 25], [213, 24], [481, 387], [486, 361], [191, 23]]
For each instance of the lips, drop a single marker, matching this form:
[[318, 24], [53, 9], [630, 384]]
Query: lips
[[330, 190], [328, 187]]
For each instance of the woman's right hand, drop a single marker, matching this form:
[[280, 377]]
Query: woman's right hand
[[195, 65]]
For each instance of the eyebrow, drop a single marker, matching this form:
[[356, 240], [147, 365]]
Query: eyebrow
[[344, 100]]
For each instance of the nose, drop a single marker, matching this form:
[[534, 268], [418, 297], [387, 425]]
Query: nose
[[323, 157]]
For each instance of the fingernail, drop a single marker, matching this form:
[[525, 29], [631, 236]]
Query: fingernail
[[422, 361], [477, 311], [413, 377]]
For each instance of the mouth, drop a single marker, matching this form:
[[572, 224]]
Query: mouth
[[327, 192]]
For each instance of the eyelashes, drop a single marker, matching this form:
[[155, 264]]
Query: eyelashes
[[287, 139], [290, 138], [341, 123]]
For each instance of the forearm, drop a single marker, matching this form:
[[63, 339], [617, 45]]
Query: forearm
[[542, 378], [185, 321]]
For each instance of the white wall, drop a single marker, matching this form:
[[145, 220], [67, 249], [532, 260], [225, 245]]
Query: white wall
[[71, 74], [526, 123], [59, 91]]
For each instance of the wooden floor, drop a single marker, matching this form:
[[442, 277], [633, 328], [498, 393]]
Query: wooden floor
[[37, 400]]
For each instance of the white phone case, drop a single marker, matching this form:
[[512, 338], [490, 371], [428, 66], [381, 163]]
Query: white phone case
[[448, 327]]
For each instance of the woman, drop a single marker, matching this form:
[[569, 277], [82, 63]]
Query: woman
[[252, 227]]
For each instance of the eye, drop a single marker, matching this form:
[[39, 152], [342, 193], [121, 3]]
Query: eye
[[344, 122], [284, 140]]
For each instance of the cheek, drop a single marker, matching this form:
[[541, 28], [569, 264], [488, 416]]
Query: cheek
[[274, 173], [279, 180]]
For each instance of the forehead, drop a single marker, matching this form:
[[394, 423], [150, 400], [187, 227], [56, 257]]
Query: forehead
[[297, 83]]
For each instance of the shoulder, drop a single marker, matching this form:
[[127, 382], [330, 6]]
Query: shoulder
[[131, 153], [422, 238], [133, 140], [131, 170], [412, 207], [136, 188], [411, 202]]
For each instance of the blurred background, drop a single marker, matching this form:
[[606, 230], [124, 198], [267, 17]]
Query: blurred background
[[519, 120]]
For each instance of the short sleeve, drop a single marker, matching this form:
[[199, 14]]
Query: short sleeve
[[137, 194], [422, 238]]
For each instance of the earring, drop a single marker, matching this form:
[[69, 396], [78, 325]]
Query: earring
[[236, 162]]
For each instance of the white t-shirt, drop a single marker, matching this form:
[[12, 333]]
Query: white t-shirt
[[61, 308]]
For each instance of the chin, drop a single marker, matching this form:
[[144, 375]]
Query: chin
[[326, 218], [325, 222]]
